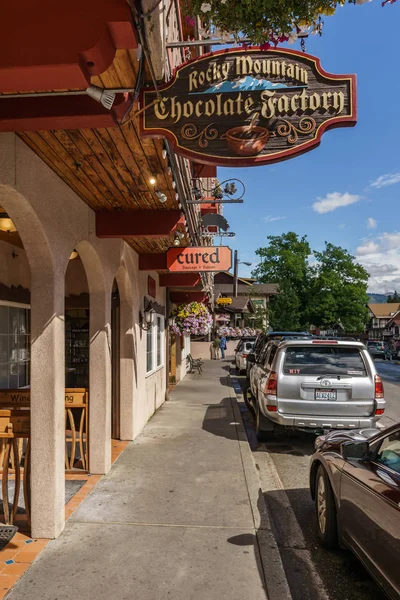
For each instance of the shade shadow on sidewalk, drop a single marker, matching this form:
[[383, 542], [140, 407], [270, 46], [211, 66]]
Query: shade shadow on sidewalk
[[215, 419]]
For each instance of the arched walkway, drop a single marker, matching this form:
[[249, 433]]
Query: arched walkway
[[99, 360], [47, 368], [128, 363]]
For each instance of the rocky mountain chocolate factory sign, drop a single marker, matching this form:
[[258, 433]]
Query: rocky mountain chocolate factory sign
[[248, 107]]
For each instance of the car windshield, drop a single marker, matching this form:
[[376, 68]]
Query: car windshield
[[324, 360], [375, 344]]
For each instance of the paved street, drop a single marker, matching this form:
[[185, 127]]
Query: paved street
[[313, 573], [390, 373]]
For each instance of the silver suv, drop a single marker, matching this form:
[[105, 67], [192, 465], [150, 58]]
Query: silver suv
[[315, 385]]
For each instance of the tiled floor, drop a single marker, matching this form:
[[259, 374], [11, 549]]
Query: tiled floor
[[22, 550]]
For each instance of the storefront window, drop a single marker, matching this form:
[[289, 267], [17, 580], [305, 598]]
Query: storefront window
[[14, 345], [149, 352], [155, 340], [160, 329]]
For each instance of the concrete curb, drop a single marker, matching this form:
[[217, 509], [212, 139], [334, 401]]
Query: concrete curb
[[275, 579]]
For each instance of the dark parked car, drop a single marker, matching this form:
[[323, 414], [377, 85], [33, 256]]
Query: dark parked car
[[378, 349], [355, 482]]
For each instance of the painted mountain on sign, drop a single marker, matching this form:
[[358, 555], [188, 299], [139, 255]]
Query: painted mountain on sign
[[246, 84]]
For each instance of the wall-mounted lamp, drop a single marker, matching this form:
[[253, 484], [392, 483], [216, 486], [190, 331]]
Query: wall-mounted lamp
[[6, 223], [162, 197], [146, 320], [174, 184], [73, 255], [177, 196], [152, 181], [104, 97], [164, 154], [171, 321]]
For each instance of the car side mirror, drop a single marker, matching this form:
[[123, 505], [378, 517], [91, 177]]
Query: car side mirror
[[251, 357], [355, 450]]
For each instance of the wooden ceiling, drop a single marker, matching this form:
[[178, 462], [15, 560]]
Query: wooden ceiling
[[111, 168]]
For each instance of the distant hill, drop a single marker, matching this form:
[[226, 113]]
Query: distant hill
[[378, 298]]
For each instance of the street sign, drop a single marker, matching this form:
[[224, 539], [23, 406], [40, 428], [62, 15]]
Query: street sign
[[198, 259], [248, 107], [224, 301]]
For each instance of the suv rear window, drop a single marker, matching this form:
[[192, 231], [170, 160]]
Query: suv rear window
[[324, 360]]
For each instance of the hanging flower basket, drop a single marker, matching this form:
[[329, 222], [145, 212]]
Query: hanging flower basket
[[237, 332], [193, 318], [264, 22]]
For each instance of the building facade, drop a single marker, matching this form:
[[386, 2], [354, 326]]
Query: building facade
[[88, 210]]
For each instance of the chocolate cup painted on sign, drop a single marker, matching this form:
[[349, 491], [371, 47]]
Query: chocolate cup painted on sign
[[247, 142]]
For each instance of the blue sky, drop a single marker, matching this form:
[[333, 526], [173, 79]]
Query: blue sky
[[357, 169]]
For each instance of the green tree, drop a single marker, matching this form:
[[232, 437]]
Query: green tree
[[338, 290], [389, 299], [285, 262], [395, 297]]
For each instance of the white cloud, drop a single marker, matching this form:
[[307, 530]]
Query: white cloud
[[381, 258], [342, 226], [391, 240], [368, 248], [271, 219], [384, 180], [371, 223], [333, 201]]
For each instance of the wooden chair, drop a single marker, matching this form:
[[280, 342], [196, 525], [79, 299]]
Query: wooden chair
[[194, 363]]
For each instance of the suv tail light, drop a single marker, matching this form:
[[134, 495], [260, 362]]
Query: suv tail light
[[378, 388], [271, 385]]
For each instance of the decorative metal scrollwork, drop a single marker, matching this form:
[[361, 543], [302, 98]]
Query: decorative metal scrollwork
[[305, 126], [209, 133]]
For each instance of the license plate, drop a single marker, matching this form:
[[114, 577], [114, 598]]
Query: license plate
[[325, 394]]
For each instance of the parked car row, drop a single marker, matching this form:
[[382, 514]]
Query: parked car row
[[301, 382]]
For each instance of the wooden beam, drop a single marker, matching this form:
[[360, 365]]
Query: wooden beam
[[200, 170], [179, 280], [152, 262], [58, 112], [137, 224], [180, 297], [51, 45]]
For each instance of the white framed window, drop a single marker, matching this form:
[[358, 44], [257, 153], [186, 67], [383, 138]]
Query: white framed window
[[155, 345], [160, 341]]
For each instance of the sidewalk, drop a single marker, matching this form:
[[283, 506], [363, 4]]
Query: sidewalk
[[175, 518]]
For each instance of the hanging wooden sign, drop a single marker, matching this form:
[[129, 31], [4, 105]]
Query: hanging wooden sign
[[199, 259], [249, 107]]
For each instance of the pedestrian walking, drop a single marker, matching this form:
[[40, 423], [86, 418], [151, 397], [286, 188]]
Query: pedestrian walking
[[217, 347], [223, 346]]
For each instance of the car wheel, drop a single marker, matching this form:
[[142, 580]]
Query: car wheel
[[263, 433], [248, 397], [325, 510]]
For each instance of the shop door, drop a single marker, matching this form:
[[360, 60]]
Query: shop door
[[115, 363]]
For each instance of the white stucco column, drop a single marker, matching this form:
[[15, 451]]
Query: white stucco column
[[128, 375], [100, 382], [47, 403]]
